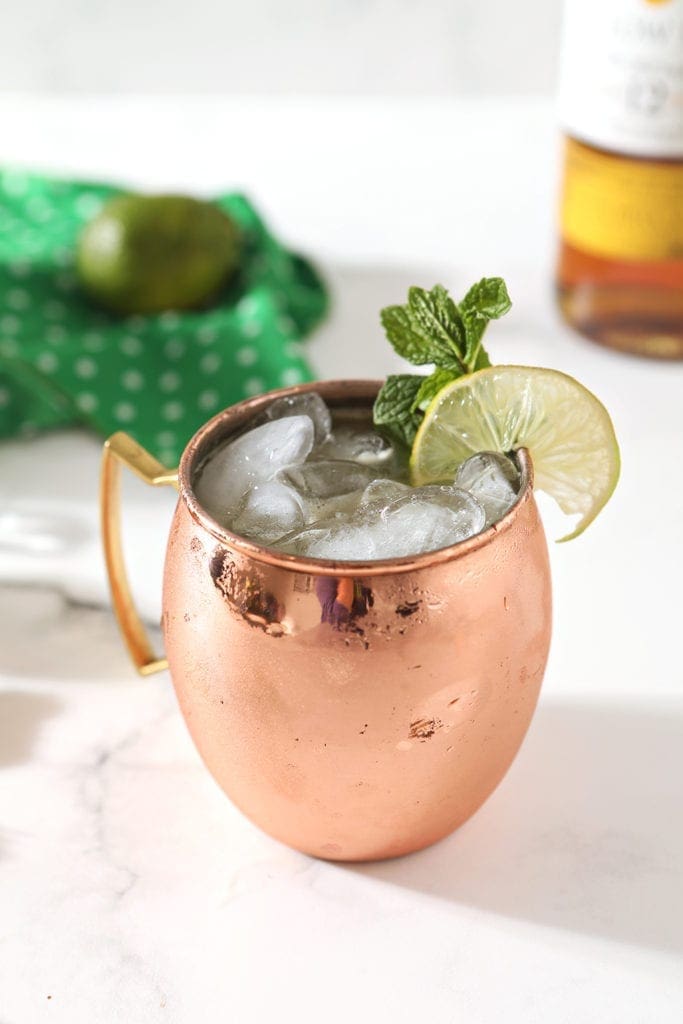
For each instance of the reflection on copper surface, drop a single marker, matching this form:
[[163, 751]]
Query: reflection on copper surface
[[342, 600], [244, 592]]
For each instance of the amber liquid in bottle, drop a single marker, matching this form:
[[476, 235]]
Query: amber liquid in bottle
[[619, 276], [622, 301]]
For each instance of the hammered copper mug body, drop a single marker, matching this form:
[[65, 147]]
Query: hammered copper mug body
[[353, 710]]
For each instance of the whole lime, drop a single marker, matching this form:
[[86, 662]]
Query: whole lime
[[143, 254]]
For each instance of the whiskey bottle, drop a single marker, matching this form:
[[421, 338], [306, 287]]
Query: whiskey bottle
[[620, 266]]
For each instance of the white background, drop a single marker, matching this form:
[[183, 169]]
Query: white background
[[449, 47]]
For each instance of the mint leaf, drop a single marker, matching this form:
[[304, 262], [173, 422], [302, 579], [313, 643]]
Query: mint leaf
[[406, 337], [429, 329], [431, 386], [486, 300], [440, 321], [393, 410]]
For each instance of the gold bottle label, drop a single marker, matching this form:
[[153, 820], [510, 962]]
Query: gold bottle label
[[622, 208]]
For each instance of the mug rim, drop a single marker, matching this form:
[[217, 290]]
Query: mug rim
[[340, 392]]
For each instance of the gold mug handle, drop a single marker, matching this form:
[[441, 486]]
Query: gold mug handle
[[120, 449]]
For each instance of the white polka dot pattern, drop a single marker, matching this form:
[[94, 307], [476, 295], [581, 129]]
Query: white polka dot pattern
[[208, 400], [131, 346], [47, 362], [253, 386], [158, 376], [124, 411], [172, 411], [169, 381], [246, 356], [210, 362], [175, 348], [85, 368], [86, 401], [132, 380]]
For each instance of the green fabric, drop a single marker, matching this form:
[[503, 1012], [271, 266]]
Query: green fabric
[[159, 377]]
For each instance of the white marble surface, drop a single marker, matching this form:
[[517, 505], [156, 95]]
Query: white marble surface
[[130, 889]]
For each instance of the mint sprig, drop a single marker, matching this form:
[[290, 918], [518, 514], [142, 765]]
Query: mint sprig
[[394, 410], [433, 329]]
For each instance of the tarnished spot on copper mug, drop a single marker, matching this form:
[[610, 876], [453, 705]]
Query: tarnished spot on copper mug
[[197, 552], [246, 595], [424, 728], [407, 608], [357, 637], [451, 708]]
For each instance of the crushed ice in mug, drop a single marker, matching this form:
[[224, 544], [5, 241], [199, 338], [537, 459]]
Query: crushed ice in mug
[[253, 458], [493, 479], [323, 486], [310, 405]]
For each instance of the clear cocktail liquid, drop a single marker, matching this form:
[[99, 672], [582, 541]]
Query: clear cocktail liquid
[[329, 486]]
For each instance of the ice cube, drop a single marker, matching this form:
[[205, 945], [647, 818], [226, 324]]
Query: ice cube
[[253, 458], [271, 510], [357, 444], [424, 519], [329, 489], [493, 479], [342, 540], [382, 491], [309, 404], [327, 479], [430, 518]]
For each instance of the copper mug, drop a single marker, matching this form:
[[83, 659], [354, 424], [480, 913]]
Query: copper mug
[[353, 710]]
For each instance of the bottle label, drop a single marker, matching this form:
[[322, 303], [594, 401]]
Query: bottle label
[[621, 76], [622, 209]]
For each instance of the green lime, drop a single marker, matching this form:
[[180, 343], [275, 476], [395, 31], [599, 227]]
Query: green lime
[[143, 254], [566, 429]]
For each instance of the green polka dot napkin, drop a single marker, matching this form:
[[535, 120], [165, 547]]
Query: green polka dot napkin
[[63, 361]]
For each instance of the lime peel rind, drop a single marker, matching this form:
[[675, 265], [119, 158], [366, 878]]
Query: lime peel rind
[[566, 429]]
